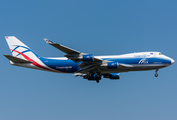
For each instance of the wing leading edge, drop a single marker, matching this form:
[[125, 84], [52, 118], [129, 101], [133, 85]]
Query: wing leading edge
[[62, 47]]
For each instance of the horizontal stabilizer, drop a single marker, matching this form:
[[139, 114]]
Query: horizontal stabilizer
[[16, 60]]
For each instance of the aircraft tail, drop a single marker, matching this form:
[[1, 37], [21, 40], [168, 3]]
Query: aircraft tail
[[23, 56], [19, 49]]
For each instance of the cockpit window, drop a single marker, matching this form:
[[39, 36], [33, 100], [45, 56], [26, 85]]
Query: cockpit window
[[160, 54]]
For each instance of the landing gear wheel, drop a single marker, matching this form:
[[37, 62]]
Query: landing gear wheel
[[156, 75], [91, 74], [97, 81], [98, 75]]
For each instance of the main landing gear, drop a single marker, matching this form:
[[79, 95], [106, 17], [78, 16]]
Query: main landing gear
[[93, 76], [97, 81], [156, 74]]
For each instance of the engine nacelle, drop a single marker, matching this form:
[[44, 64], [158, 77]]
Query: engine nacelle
[[110, 65], [113, 64], [89, 57], [112, 75]]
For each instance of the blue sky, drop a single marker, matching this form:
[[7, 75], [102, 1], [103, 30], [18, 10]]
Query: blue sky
[[100, 27]]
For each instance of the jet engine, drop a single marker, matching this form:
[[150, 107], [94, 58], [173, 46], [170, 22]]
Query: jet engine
[[89, 57], [110, 65]]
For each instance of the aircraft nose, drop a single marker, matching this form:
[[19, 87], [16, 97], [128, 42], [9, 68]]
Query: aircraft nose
[[172, 61]]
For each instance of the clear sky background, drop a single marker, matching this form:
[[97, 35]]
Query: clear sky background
[[100, 27]]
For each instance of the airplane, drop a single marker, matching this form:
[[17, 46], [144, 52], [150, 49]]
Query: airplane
[[85, 65]]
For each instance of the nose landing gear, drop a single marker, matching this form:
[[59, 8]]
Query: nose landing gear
[[156, 74]]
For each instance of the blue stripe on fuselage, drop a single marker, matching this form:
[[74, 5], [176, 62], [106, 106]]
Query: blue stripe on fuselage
[[69, 66], [133, 61]]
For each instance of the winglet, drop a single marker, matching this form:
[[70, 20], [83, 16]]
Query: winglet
[[48, 41]]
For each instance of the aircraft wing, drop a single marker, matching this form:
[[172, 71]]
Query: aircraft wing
[[62, 47], [89, 62], [70, 53]]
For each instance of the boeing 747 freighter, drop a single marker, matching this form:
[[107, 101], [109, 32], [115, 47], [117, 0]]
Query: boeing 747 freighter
[[85, 65]]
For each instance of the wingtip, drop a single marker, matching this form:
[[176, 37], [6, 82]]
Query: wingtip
[[47, 41]]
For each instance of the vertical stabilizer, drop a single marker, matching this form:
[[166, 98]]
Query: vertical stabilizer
[[19, 49], [23, 56]]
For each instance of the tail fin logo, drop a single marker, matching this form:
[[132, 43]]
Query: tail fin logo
[[24, 49], [28, 58], [20, 50]]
